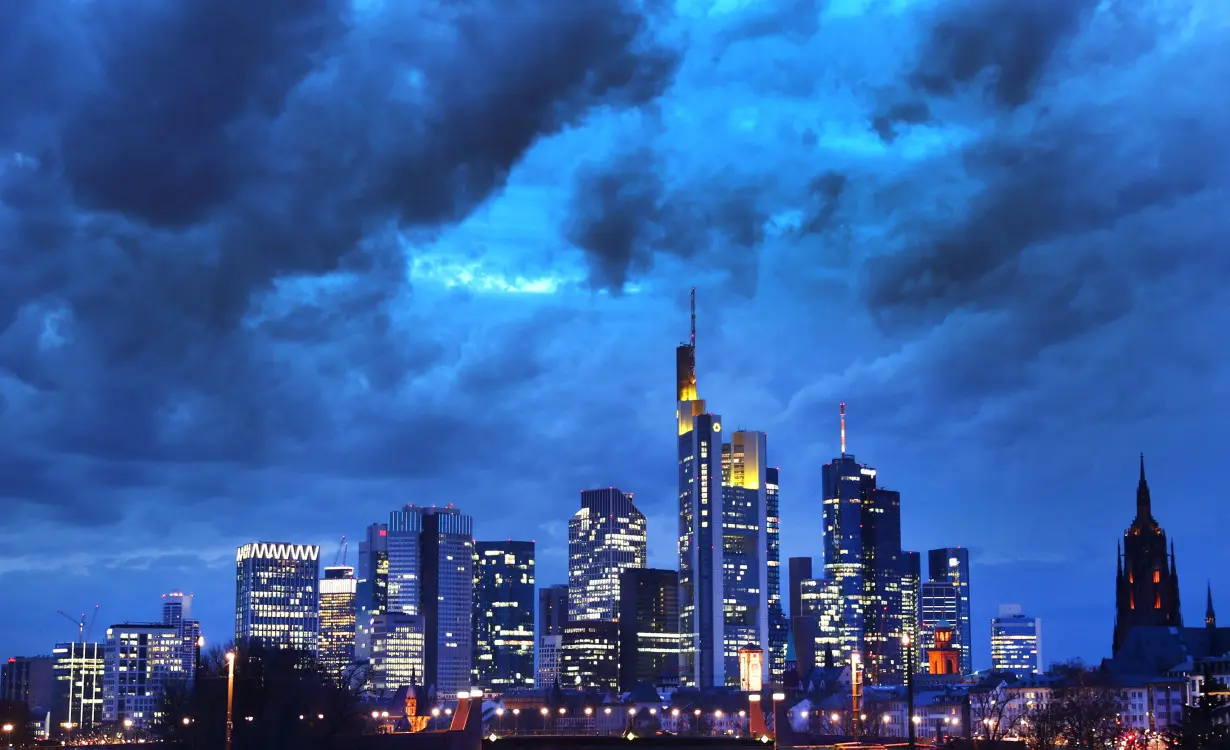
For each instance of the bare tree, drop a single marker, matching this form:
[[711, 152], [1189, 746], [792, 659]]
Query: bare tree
[[1088, 713], [1042, 726], [987, 709]]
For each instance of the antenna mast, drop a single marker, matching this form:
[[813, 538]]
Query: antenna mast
[[843, 428], [693, 340]]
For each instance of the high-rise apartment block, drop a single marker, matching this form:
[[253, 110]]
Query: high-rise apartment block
[[77, 699], [337, 619], [177, 613], [605, 537], [277, 595], [1016, 642], [951, 564], [140, 660], [649, 640], [552, 619], [503, 615]]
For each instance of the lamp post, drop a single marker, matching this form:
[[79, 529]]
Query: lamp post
[[230, 696], [8, 734], [909, 689]]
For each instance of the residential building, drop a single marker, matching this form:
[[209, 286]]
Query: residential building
[[503, 615], [77, 699], [277, 595], [649, 638], [605, 537], [1016, 642], [140, 659], [338, 615]]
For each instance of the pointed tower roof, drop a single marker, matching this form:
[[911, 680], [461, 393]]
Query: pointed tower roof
[[1144, 505], [1210, 617]]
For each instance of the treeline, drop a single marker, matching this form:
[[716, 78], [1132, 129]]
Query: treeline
[[282, 699]]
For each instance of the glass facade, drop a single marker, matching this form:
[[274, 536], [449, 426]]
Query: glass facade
[[589, 655], [337, 619], [939, 606], [177, 612], [951, 564], [843, 548], [649, 640], [503, 615], [140, 660], [745, 549], [447, 598], [911, 592], [778, 628], [372, 587], [277, 595], [550, 650], [701, 568], [605, 537], [77, 702], [397, 652], [404, 542], [1016, 642]]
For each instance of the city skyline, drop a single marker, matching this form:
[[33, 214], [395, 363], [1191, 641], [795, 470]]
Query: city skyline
[[213, 340]]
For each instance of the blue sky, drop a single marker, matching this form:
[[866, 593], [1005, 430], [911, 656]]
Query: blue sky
[[375, 255]]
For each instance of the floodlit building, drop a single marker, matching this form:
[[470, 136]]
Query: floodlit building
[[397, 651], [337, 619], [1016, 642], [503, 615], [277, 595], [140, 660]]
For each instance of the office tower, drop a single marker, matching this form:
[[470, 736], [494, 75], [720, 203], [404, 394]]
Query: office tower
[[177, 612], [27, 680], [405, 539], [649, 640], [701, 566], [553, 609], [372, 587], [779, 630], [139, 661], [605, 537], [447, 598], [911, 593], [503, 615], [802, 624], [1146, 580], [77, 700], [746, 545], [862, 564], [276, 595], [939, 605], [338, 591], [550, 650], [397, 645], [952, 565], [1016, 642], [823, 608], [589, 655]]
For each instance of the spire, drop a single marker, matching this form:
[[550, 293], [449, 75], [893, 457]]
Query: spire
[[1210, 617], [1118, 560], [1144, 509], [693, 342], [843, 428]]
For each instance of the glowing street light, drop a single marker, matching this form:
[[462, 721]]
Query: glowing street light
[[230, 696]]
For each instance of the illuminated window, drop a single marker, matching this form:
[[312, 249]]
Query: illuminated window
[[1157, 576], [1157, 600]]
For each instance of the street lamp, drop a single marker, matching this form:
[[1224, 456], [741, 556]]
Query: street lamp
[[230, 696], [909, 688], [8, 734]]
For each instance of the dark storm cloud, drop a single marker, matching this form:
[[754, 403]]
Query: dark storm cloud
[[1010, 41], [788, 19], [910, 113], [623, 214], [825, 191], [191, 192]]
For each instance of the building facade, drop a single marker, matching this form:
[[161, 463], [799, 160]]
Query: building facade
[[802, 622], [552, 619], [277, 595], [503, 615], [939, 604], [447, 598], [372, 586], [911, 595], [77, 700], [140, 661], [550, 651], [397, 652], [605, 537], [177, 612], [1016, 642], [589, 655], [951, 564], [649, 639], [27, 680], [1146, 579], [338, 616], [779, 629]]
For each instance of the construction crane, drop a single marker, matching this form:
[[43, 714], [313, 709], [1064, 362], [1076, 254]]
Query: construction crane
[[82, 630], [340, 557]]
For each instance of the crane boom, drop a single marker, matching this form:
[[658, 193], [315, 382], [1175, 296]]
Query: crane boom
[[340, 548], [89, 631], [80, 623]]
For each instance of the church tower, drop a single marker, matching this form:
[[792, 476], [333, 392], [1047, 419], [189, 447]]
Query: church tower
[[1146, 579]]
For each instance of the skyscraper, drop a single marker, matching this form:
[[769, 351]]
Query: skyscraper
[[1146, 580], [77, 700], [372, 587], [940, 606], [649, 638], [27, 680], [605, 537], [802, 621], [139, 661], [589, 655], [337, 619], [177, 612], [779, 630], [503, 615], [552, 619], [701, 565], [911, 594], [397, 645], [951, 564], [404, 542], [1016, 642], [862, 565], [447, 598], [277, 595]]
